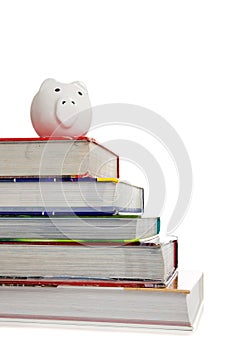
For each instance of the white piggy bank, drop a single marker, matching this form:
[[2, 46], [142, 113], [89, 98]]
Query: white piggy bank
[[60, 109]]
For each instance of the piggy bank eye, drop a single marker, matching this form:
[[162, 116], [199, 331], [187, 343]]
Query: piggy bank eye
[[57, 90], [80, 93]]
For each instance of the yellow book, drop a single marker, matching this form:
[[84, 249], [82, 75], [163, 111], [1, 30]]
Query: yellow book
[[107, 179]]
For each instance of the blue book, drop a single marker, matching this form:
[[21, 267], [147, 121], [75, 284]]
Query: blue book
[[69, 196]]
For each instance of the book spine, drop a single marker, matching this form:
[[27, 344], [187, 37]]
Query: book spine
[[176, 254], [78, 243], [158, 225], [67, 178], [72, 178], [107, 179], [19, 281], [25, 139]]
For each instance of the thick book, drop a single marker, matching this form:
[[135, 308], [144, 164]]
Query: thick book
[[148, 259], [56, 156], [78, 228], [176, 307], [81, 196]]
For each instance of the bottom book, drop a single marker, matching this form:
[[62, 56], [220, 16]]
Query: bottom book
[[175, 307]]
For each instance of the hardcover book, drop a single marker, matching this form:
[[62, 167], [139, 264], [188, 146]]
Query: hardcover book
[[176, 307], [149, 259], [81, 196], [46, 157], [78, 228]]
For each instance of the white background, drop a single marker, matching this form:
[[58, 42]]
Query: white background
[[174, 57]]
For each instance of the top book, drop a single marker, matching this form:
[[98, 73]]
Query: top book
[[28, 157]]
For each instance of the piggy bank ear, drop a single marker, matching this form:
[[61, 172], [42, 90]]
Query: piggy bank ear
[[47, 83], [80, 84]]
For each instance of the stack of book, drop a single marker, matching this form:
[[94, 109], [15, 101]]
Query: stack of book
[[67, 221]]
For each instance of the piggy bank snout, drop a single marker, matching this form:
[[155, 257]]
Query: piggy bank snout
[[67, 101], [67, 110]]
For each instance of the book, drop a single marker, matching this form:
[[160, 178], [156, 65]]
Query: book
[[56, 156], [78, 228], [82, 196], [148, 259], [176, 307]]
